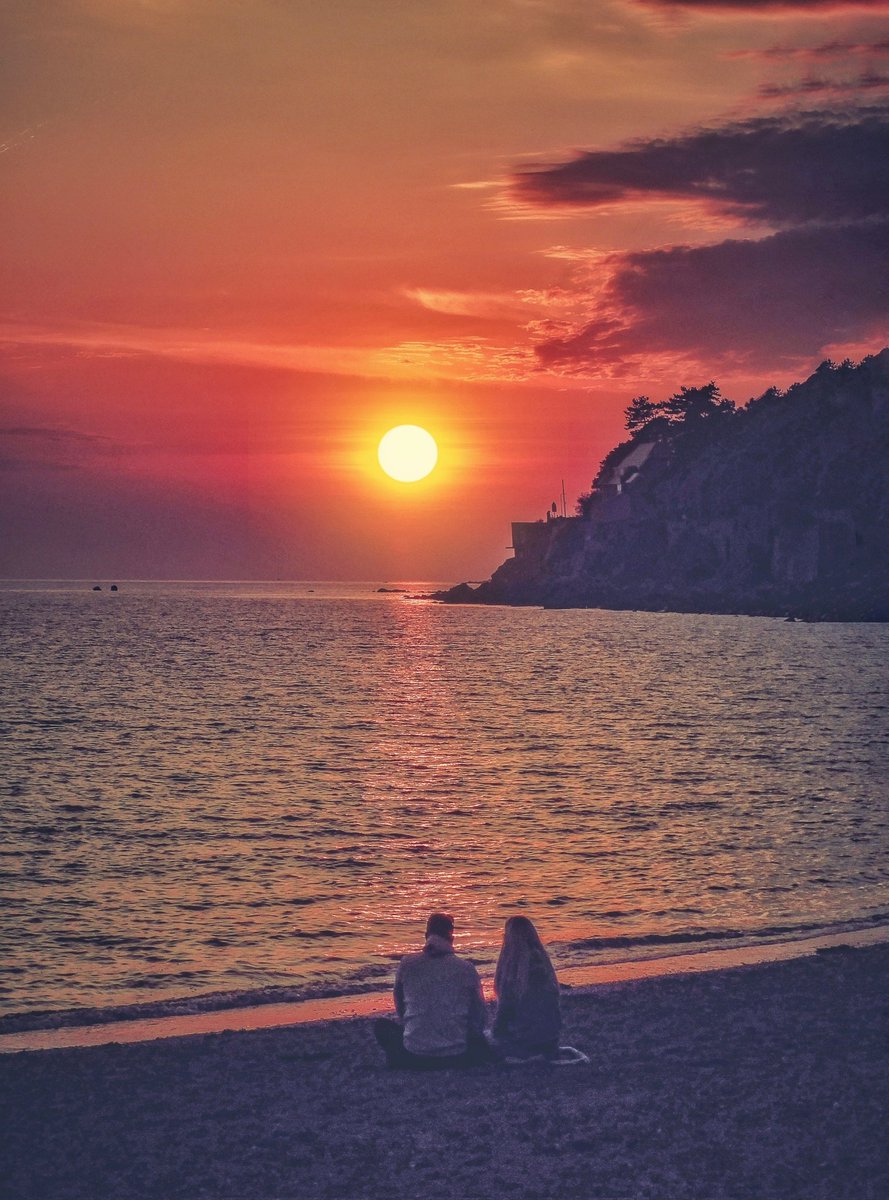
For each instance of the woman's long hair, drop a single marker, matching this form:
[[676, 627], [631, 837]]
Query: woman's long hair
[[522, 949]]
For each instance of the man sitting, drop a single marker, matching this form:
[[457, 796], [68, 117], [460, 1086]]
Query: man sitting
[[438, 998]]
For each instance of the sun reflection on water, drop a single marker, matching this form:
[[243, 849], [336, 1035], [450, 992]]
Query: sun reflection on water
[[322, 773]]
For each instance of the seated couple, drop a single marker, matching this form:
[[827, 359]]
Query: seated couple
[[442, 1013]]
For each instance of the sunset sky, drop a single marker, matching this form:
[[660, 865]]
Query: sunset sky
[[243, 238]]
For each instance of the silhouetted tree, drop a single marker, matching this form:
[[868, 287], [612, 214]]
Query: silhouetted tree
[[690, 405], [639, 412], [769, 397]]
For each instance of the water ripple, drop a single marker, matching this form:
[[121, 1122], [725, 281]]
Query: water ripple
[[208, 787]]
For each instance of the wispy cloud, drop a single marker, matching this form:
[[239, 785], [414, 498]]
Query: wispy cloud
[[472, 359], [201, 346], [868, 81], [23, 462], [20, 138], [45, 433], [486, 305], [447, 358], [820, 53], [30, 447]]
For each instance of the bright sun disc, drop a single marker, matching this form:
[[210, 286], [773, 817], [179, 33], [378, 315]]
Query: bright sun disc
[[407, 453]]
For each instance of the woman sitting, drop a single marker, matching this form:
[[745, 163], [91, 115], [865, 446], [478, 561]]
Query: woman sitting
[[528, 1020]]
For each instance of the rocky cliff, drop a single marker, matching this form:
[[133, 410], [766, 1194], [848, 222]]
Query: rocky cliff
[[780, 508]]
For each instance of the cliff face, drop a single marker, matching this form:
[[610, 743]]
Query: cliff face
[[781, 507]]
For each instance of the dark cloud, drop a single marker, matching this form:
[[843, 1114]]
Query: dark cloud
[[868, 82], [23, 463], [785, 169], [826, 50], [798, 6], [784, 297], [45, 433], [820, 179], [35, 447]]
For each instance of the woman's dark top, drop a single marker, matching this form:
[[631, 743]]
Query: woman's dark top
[[531, 1023]]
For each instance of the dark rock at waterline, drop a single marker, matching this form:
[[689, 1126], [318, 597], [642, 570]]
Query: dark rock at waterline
[[464, 594]]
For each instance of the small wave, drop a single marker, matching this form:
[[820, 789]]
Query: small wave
[[715, 936], [312, 934], [108, 941], [614, 914], [680, 806], [187, 1005], [628, 941], [370, 977]]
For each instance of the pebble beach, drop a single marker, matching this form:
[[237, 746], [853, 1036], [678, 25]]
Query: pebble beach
[[768, 1081]]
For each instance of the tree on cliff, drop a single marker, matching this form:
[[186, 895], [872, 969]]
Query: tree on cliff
[[688, 406], [779, 507], [640, 412]]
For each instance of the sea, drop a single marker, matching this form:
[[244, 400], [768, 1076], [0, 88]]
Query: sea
[[226, 793]]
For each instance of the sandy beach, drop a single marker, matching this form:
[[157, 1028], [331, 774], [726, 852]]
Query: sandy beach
[[765, 1081]]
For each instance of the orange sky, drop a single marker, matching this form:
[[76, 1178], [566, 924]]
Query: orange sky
[[242, 239]]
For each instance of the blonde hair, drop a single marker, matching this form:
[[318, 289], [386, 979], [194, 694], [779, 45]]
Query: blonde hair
[[522, 949]]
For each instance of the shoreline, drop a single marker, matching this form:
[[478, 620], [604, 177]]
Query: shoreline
[[764, 1082], [127, 1029], [555, 598]]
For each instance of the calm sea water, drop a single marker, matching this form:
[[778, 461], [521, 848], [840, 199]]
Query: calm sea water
[[231, 787]]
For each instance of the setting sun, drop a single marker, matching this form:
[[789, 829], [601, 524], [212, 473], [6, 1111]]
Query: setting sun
[[407, 453]]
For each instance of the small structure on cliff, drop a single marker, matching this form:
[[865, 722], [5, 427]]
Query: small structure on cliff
[[530, 539], [623, 469]]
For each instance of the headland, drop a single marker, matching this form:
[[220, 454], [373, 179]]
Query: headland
[[777, 508]]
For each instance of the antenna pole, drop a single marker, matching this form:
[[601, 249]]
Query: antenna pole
[[564, 502]]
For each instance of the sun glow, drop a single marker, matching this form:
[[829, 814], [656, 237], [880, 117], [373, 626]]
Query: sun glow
[[407, 453]]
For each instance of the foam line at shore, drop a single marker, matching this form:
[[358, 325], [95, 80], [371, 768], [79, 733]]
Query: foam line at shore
[[368, 1004]]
